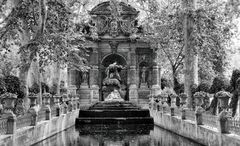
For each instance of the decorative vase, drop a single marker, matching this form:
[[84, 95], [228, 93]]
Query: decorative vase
[[33, 99], [173, 100], [223, 97], [198, 96], [8, 102], [46, 98], [183, 97]]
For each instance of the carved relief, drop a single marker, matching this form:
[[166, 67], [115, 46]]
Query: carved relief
[[114, 46], [115, 18]]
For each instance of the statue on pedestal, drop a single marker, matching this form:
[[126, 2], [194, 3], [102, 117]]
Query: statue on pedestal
[[143, 77], [112, 83], [85, 78]]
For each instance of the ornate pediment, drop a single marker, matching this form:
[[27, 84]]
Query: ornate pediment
[[114, 18], [103, 9]]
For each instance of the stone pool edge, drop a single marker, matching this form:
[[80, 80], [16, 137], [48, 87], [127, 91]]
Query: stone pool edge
[[198, 133], [33, 134]]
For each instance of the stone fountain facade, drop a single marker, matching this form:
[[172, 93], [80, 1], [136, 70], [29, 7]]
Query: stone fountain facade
[[116, 36]]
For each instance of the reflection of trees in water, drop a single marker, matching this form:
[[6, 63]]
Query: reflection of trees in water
[[123, 136]]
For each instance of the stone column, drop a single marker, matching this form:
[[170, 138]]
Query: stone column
[[155, 76], [94, 75], [72, 81], [133, 93]]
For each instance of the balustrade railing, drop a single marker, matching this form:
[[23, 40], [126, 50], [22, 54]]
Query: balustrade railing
[[209, 120], [9, 123], [177, 112], [234, 125], [24, 120], [3, 125], [53, 111], [227, 124], [190, 115], [41, 115]]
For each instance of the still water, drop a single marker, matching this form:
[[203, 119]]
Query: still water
[[116, 135]]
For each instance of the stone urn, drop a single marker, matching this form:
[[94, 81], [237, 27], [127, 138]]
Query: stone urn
[[223, 98], [64, 105], [199, 96], [183, 97], [8, 102], [56, 99], [173, 100], [33, 99], [46, 98], [65, 98]]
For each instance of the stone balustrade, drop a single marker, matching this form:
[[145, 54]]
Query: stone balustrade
[[197, 125], [9, 123]]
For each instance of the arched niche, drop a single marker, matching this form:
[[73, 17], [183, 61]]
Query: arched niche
[[109, 59]]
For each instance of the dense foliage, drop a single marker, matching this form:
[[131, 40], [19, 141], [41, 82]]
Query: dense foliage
[[204, 86], [212, 33], [235, 76]]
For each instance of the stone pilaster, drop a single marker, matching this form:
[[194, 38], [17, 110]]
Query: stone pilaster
[[133, 92], [155, 76], [72, 81], [94, 77]]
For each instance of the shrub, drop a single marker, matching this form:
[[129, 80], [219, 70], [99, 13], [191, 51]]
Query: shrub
[[204, 86], [194, 88], [235, 76], [165, 83], [12, 84], [34, 88], [63, 90], [2, 86], [179, 88], [219, 83], [53, 89], [45, 87]]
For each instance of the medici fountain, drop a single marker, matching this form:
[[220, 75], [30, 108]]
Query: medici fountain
[[123, 67]]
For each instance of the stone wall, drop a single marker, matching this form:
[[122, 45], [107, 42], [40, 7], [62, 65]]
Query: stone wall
[[202, 134], [32, 134]]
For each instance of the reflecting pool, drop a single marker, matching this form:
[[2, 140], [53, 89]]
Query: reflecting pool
[[116, 135]]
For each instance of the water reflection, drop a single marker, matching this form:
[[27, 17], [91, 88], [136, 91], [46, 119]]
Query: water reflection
[[116, 135]]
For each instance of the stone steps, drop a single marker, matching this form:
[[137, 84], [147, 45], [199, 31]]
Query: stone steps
[[124, 129], [114, 120], [114, 108], [114, 113]]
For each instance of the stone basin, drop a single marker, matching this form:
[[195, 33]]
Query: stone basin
[[115, 112]]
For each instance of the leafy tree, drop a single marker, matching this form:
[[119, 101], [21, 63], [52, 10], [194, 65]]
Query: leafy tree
[[235, 76], [43, 30], [211, 35]]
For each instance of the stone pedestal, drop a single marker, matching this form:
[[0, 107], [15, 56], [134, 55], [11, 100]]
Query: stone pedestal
[[133, 92], [72, 89], [84, 96], [94, 94], [156, 89], [84, 85], [143, 86], [143, 96]]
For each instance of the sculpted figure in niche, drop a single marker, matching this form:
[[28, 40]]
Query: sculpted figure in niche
[[143, 74], [85, 77], [113, 71]]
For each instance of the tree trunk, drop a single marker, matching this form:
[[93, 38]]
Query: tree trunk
[[174, 76], [56, 80], [23, 76], [190, 62]]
